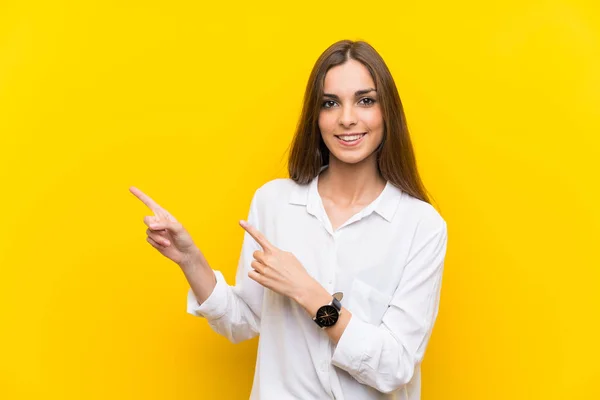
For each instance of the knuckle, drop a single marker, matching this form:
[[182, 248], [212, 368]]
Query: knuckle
[[148, 220]]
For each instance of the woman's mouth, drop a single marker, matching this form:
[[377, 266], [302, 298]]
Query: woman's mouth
[[350, 140]]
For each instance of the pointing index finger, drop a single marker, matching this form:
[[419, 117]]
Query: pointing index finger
[[145, 199], [258, 236]]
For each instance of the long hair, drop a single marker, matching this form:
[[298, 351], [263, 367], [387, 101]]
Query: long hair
[[395, 156]]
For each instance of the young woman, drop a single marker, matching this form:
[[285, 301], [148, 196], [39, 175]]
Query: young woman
[[341, 265]]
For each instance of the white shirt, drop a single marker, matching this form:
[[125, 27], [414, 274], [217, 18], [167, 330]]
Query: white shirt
[[387, 260]]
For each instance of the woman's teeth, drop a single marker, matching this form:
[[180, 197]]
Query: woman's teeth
[[351, 138]]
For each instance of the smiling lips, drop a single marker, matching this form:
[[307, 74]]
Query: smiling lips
[[350, 139]]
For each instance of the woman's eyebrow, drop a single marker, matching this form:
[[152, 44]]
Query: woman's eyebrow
[[356, 94]]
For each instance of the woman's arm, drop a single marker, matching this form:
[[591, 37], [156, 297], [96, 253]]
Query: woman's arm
[[385, 356], [232, 311]]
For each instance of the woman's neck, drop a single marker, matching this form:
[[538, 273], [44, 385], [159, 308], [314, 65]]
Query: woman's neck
[[351, 184]]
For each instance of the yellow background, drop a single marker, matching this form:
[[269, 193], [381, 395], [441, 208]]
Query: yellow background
[[196, 104]]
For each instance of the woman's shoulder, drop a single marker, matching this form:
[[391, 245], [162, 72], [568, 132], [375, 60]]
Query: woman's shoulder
[[422, 213], [276, 190]]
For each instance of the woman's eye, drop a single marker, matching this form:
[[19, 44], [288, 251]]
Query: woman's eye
[[368, 101], [328, 103]]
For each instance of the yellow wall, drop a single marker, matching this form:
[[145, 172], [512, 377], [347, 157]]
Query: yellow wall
[[196, 106]]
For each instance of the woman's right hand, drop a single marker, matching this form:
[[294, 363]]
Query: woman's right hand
[[167, 235]]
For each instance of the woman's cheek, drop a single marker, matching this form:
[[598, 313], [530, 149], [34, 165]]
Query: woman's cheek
[[374, 122], [325, 122], [374, 117]]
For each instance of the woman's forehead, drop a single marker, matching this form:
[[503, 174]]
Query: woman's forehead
[[348, 78]]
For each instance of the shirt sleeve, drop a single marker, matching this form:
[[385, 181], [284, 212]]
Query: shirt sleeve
[[234, 311], [385, 356]]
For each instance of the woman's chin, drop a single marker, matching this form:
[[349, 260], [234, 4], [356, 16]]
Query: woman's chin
[[350, 158]]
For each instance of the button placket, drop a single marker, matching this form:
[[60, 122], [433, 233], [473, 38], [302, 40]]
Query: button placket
[[334, 263]]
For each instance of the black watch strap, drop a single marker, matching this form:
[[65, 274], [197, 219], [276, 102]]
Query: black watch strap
[[336, 303]]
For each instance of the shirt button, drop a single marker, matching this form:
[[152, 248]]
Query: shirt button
[[323, 366]]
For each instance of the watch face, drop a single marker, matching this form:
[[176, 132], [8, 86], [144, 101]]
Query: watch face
[[327, 315]]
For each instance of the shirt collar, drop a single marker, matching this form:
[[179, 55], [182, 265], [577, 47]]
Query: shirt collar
[[385, 205]]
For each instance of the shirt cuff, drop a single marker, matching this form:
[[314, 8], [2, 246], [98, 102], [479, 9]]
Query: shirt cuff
[[352, 347], [215, 306]]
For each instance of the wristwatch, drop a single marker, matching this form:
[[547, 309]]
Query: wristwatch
[[329, 314]]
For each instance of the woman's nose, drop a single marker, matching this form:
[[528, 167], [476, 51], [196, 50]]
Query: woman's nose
[[348, 116]]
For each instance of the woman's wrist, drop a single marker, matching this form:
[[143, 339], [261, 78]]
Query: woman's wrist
[[194, 261], [311, 298], [200, 276]]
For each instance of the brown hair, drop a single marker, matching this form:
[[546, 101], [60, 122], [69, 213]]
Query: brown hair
[[395, 158]]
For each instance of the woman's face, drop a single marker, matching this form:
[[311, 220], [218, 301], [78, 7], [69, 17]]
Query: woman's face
[[350, 119]]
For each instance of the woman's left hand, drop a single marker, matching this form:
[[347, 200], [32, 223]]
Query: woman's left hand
[[279, 270]]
